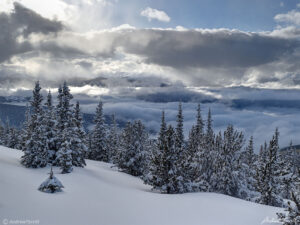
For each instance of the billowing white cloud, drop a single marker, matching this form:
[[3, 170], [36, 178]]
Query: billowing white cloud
[[154, 14], [292, 17], [54, 9], [79, 15]]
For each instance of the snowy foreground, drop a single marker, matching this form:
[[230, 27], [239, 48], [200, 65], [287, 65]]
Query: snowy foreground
[[98, 194]]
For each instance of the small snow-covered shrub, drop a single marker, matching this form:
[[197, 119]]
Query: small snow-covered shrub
[[51, 185]]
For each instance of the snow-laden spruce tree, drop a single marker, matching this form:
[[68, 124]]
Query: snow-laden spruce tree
[[1, 133], [64, 154], [157, 171], [64, 107], [13, 138], [180, 153], [228, 171], [51, 185], [62, 119], [215, 168], [26, 130], [6, 135], [89, 137], [247, 171], [99, 136], [163, 164], [36, 149], [9, 136], [179, 144], [113, 140], [211, 153], [209, 135], [78, 141], [69, 144], [293, 210], [196, 135], [63, 112], [292, 158], [195, 165], [50, 131], [269, 175], [134, 144], [172, 183], [290, 177]]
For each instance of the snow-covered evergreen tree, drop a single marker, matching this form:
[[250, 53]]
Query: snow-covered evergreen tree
[[64, 154], [64, 108], [35, 151], [293, 210], [180, 153], [68, 142], [172, 183], [113, 141], [89, 137], [51, 185], [195, 166], [6, 135], [209, 131], [269, 175], [26, 129], [99, 136], [179, 130], [247, 170], [164, 174], [134, 143], [78, 141], [49, 126], [211, 153], [290, 178], [248, 156], [1, 133], [63, 112], [13, 139], [196, 135], [157, 171], [228, 182], [292, 158]]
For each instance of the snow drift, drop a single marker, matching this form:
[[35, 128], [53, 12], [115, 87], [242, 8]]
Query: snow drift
[[99, 194]]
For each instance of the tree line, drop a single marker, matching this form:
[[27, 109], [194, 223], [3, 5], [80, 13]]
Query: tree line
[[205, 161]]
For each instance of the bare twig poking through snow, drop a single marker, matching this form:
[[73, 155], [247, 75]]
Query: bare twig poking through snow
[[51, 185]]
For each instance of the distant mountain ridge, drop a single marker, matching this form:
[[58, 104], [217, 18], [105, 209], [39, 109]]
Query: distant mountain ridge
[[11, 99]]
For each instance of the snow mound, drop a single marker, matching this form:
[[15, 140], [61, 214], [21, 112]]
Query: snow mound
[[99, 194]]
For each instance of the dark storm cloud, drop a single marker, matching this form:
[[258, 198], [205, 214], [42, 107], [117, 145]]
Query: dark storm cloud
[[206, 48], [33, 22], [19, 24], [220, 48], [64, 52]]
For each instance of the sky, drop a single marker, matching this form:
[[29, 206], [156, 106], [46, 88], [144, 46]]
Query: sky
[[240, 58]]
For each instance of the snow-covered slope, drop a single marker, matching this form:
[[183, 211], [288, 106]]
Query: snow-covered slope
[[99, 194]]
